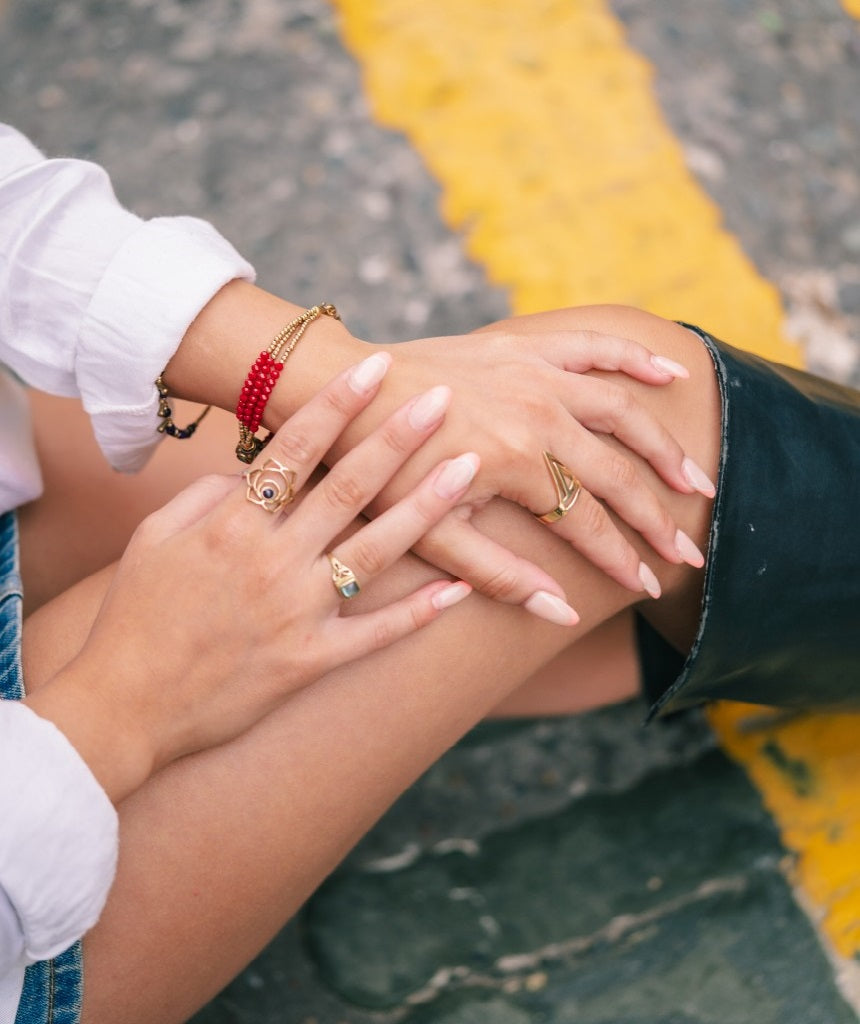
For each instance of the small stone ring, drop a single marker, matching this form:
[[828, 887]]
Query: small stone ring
[[343, 577]]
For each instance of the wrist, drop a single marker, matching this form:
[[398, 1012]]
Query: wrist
[[228, 334], [119, 753]]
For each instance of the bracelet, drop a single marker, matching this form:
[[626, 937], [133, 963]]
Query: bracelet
[[165, 414], [263, 376]]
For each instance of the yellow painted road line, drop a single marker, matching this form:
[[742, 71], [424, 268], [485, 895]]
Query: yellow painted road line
[[852, 6], [555, 159], [558, 167]]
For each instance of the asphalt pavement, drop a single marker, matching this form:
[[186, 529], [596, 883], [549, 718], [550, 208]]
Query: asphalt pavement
[[582, 870]]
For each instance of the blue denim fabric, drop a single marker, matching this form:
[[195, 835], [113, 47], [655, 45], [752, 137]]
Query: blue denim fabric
[[52, 988]]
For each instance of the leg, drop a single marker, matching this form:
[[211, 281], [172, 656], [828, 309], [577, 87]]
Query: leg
[[69, 536], [284, 803]]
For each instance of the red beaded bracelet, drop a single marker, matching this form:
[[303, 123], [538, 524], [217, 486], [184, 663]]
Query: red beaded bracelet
[[263, 376]]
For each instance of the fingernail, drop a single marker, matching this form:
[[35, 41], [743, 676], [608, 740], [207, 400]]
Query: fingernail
[[364, 377], [451, 595], [428, 409], [669, 366], [552, 608], [649, 580], [697, 478], [456, 475], [688, 550]]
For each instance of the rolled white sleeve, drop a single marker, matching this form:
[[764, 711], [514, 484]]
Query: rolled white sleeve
[[93, 300], [58, 844]]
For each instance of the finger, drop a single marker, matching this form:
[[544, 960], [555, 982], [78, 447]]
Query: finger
[[354, 636], [189, 505], [611, 408], [307, 435], [611, 475], [588, 527], [456, 546], [387, 538], [362, 473], [578, 351]]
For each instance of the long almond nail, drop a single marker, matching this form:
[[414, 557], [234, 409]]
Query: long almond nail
[[456, 475], [552, 608], [364, 377], [429, 408], [669, 366], [649, 581], [688, 550], [451, 595], [697, 478]]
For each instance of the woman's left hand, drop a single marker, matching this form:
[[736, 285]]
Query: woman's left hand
[[518, 394]]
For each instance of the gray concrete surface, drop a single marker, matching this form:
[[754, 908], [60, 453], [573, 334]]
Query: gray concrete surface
[[584, 870]]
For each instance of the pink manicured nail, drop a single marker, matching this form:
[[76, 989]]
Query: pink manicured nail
[[451, 595], [697, 478], [429, 408], [364, 377], [688, 550], [669, 366], [552, 608], [456, 475], [649, 580]]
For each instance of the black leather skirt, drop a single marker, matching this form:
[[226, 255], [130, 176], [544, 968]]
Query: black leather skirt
[[780, 617]]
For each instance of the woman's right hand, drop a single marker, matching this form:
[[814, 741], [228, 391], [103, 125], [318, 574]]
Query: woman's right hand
[[220, 609]]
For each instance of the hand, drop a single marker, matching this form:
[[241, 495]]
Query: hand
[[220, 609], [518, 392]]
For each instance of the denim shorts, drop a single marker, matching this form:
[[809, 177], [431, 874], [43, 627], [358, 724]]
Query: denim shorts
[[780, 617], [52, 988]]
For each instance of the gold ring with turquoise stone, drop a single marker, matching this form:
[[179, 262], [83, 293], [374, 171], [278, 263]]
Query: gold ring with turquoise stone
[[343, 578]]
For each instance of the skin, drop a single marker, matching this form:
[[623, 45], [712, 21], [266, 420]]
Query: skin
[[297, 789]]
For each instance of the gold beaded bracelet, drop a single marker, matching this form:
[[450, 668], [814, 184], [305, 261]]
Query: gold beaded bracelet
[[263, 376]]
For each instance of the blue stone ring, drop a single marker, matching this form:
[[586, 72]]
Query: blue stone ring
[[271, 485], [343, 577]]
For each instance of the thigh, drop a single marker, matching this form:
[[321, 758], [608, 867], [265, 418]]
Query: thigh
[[220, 848]]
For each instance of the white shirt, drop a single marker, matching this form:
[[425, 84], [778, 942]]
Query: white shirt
[[93, 302]]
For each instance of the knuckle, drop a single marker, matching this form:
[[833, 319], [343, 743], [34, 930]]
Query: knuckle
[[383, 634], [501, 585], [367, 556], [224, 538], [593, 519], [622, 474], [625, 561], [393, 439], [149, 531], [521, 446], [620, 400], [295, 447], [337, 400], [664, 522], [419, 616], [343, 491], [593, 339]]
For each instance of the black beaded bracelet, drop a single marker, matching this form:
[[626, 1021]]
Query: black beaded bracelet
[[167, 426]]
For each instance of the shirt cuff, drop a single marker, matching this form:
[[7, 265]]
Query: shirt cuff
[[58, 848], [153, 288]]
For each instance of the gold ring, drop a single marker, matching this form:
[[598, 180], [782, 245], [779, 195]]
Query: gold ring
[[343, 577], [271, 485], [567, 487]]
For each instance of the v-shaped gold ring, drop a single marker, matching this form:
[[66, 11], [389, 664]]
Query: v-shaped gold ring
[[567, 487]]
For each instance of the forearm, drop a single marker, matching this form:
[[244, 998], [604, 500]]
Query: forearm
[[218, 348]]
